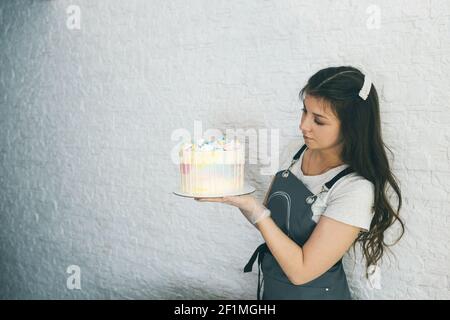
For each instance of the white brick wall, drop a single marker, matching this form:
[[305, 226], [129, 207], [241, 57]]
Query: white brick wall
[[85, 137]]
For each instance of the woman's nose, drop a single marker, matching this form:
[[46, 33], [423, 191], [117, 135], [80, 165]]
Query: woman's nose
[[304, 127]]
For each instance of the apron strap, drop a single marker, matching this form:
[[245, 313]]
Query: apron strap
[[344, 172], [299, 152], [259, 253], [261, 249], [260, 283]]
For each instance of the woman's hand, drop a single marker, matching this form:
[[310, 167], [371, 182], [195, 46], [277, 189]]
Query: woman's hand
[[247, 204]]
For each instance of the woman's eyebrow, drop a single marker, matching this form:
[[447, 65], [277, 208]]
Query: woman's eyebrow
[[319, 115]]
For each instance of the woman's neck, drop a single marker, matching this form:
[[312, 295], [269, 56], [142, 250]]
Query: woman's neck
[[327, 157]]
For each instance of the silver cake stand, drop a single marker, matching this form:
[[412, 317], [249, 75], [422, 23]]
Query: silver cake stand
[[247, 189]]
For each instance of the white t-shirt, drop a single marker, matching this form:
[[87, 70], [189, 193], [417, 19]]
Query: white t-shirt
[[350, 200]]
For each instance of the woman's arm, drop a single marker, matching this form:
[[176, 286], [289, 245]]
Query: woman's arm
[[326, 245]]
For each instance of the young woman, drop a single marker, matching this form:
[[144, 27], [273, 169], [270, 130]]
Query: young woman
[[332, 196]]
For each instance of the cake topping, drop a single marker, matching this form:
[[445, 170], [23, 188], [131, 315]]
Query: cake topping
[[222, 143]]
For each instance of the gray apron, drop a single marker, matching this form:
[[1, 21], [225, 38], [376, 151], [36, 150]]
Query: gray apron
[[290, 202]]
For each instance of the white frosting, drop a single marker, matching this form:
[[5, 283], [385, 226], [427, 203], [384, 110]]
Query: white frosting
[[223, 143]]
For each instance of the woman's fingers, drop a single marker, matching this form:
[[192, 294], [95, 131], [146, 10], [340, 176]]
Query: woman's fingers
[[220, 199], [231, 200]]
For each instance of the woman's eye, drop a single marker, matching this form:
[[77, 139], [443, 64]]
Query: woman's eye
[[319, 123]]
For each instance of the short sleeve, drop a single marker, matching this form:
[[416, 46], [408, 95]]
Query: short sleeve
[[351, 202]]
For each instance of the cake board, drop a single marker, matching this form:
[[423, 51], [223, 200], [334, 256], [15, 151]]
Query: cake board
[[246, 190]]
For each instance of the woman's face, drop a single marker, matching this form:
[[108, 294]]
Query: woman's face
[[319, 124]]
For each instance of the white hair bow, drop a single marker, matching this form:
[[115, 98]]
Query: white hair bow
[[365, 90]]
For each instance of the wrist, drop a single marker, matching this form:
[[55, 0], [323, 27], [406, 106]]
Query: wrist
[[262, 216]]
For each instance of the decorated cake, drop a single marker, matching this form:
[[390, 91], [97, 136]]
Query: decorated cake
[[212, 167]]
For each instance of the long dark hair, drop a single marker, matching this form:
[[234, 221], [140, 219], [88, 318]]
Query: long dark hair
[[363, 147]]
